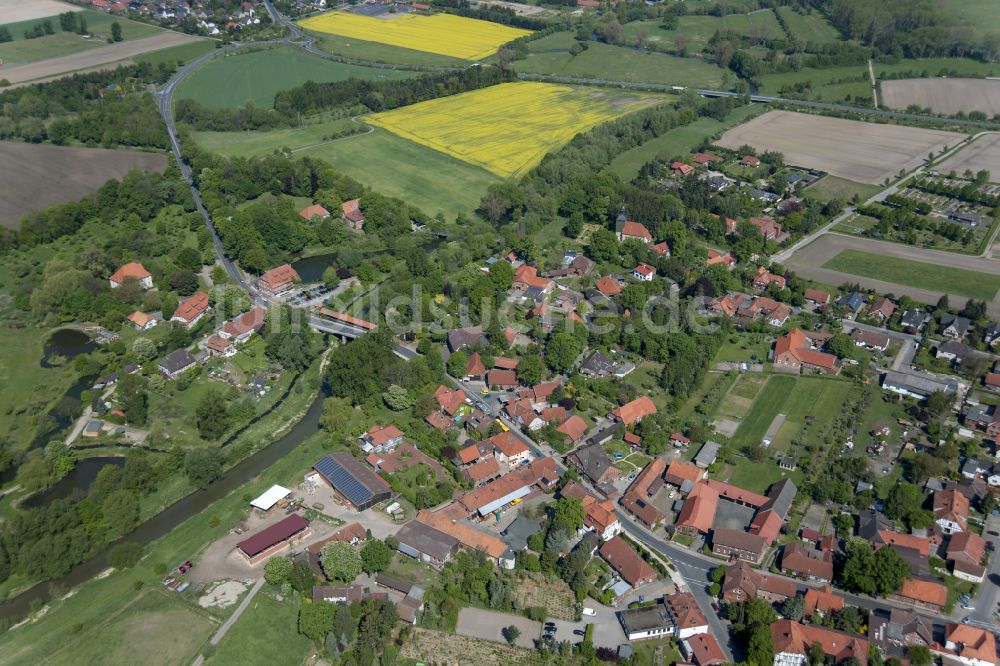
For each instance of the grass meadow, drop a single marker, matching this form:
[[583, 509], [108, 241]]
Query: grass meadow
[[22, 51], [264, 634], [812, 27], [507, 129], [700, 28], [232, 81], [443, 34], [920, 275]]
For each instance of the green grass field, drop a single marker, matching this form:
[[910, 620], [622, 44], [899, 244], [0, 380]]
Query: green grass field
[[614, 63], [798, 398], [358, 49], [812, 27], [182, 53], [679, 141], [245, 144], [972, 284], [765, 407], [161, 628], [757, 476], [264, 634], [699, 29], [232, 81], [22, 51], [833, 187], [982, 15]]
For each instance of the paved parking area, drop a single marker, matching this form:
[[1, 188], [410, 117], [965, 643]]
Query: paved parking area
[[607, 630], [489, 625]]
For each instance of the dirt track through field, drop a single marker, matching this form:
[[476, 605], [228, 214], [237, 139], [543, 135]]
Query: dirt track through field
[[859, 151], [38, 175], [13, 11], [809, 261], [983, 153], [946, 96], [103, 55]]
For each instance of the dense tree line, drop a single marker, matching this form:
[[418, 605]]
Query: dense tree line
[[243, 119], [381, 95]]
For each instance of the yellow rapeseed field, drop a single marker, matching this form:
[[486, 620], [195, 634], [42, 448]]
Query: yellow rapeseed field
[[443, 34], [508, 128]]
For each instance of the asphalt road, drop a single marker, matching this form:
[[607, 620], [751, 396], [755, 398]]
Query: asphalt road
[[989, 591]]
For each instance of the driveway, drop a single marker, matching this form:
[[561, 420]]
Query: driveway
[[488, 625], [607, 629]]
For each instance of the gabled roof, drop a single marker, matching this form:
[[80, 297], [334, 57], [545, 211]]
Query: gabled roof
[[130, 271], [501, 378], [951, 505], [192, 308], [315, 210], [449, 399], [351, 210], [636, 230], [600, 515], [280, 276], [574, 427], [679, 471], [817, 296], [482, 470], [528, 275], [971, 642], [472, 453], [140, 318], [698, 511], [796, 343], [795, 638], [801, 560], [608, 286], [378, 435], [274, 534], [925, 591], [475, 367], [508, 444], [248, 321], [822, 599], [635, 410], [632, 568], [968, 546]]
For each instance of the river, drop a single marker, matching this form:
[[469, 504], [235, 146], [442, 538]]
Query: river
[[74, 484], [176, 513]]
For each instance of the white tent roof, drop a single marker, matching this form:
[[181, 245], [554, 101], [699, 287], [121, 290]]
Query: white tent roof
[[509, 497], [273, 495]]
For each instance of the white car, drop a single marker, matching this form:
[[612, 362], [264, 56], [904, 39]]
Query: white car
[[590, 612]]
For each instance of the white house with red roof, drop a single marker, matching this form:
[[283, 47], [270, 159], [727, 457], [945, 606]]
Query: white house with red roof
[[644, 272], [132, 271]]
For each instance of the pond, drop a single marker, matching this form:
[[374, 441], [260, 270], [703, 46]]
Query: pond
[[74, 484], [67, 343], [310, 269]]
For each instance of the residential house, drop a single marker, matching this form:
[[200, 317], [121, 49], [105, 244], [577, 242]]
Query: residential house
[[851, 302], [634, 231], [991, 334], [132, 271], [803, 562], [578, 266], [526, 278], [176, 363], [742, 582], [917, 386], [954, 326], [971, 646], [474, 369], [794, 643], [951, 511], [338, 594], [450, 400], [703, 650], [661, 249], [953, 350], [595, 464], [573, 428], [637, 497], [600, 518], [505, 380], [816, 297], [191, 310], [913, 321], [634, 411], [822, 600], [698, 512], [881, 309], [644, 272], [243, 327], [903, 628], [471, 336], [870, 340], [597, 365], [517, 534], [767, 227], [738, 544], [380, 439], [278, 280], [765, 279], [509, 449], [717, 258], [683, 475], [219, 346], [965, 552], [608, 286], [632, 568], [141, 321], [315, 211], [681, 169], [351, 213], [796, 351], [688, 619], [474, 453], [706, 159], [750, 161]]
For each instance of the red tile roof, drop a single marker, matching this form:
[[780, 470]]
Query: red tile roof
[[439, 420], [140, 318], [817, 296], [795, 638], [193, 307], [132, 270], [951, 505], [600, 515], [218, 344], [274, 534], [482, 470], [449, 399], [379, 435], [528, 275], [679, 471], [475, 367], [251, 320], [508, 444], [797, 345], [607, 286], [661, 248], [698, 511], [766, 524], [309, 212], [632, 568], [505, 363], [472, 453], [681, 168], [920, 544], [351, 210], [635, 410], [501, 378], [750, 160], [644, 270], [925, 591], [822, 599], [636, 230], [705, 650], [574, 427], [280, 277], [972, 642], [968, 546]]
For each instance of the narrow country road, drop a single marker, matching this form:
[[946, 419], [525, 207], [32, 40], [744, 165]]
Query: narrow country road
[[228, 624]]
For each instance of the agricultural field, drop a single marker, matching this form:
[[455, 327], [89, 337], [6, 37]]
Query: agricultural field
[[981, 16], [357, 49], [983, 153], [296, 139], [183, 53], [865, 152], [264, 634], [22, 51], [831, 187], [443, 34], [14, 11], [507, 129], [947, 96], [232, 81], [829, 84], [78, 171], [679, 141], [809, 27], [921, 275], [603, 61], [95, 58], [759, 25]]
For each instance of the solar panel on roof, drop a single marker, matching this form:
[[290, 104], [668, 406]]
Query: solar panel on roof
[[342, 480]]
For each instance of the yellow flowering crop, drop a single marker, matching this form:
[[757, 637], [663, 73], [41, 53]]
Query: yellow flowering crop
[[444, 34], [508, 128]]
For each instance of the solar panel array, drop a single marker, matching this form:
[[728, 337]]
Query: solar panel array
[[343, 480]]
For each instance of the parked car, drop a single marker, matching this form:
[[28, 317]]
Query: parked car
[[590, 612], [579, 632]]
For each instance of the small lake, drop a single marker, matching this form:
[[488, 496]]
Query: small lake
[[74, 484], [310, 269], [67, 343]]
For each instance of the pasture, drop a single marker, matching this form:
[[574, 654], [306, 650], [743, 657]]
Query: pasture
[[918, 274], [831, 187], [508, 129], [808, 27], [698, 30], [264, 634], [444, 34], [14, 11], [947, 96], [981, 16], [232, 81], [22, 51], [78, 171], [983, 153], [550, 55], [860, 151]]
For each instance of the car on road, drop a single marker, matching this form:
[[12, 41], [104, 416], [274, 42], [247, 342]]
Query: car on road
[[485, 391], [715, 606], [579, 632]]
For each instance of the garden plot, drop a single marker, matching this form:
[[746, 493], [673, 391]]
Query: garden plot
[[555, 597], [859, 151]]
